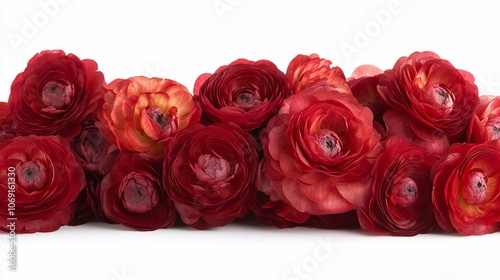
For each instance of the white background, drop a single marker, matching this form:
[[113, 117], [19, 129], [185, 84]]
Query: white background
[[182, 39]]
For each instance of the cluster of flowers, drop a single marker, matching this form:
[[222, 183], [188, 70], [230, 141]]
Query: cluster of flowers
[[396, 152]]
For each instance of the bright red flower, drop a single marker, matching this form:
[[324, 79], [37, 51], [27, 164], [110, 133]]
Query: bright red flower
[[485, 124], [466, 194], [317, 151], [431, 101]]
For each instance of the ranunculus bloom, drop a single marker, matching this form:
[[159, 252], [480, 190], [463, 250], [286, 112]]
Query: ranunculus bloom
[[45, 182], [132, 194], [466, 194], [305, 71], [431, 101], [245, 92], [143, 114], [93, 151], [88, 204], [5, 122], [400, 201], [363, 83], [485, 124], [317, 151], [269, 209], [55, 94], [210, 173]]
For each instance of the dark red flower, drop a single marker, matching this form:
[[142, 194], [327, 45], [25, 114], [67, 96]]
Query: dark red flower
[[132, 194], [210, 174], [93, 151], [400, 201], [55, 94], [466, 194], [431, 101], [363, 83], [245, 92], [43, 179]]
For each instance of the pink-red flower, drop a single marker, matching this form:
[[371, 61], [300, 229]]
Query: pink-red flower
[[210, 173], [400, 201], [142, 114], [55, 94], [41, 179], [431, 101], [485, 124], [305, 71], [466, 194], [244, 92], [317, 151], [132, 194]]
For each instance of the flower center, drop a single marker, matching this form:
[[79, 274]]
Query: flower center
[[138, 192], [404, 192], [474, 191], [245, 99], [158, 116], [212, 169], [93, 145], [57, 95], [328, 142], [31, 176], [440, 97], [493, 128]]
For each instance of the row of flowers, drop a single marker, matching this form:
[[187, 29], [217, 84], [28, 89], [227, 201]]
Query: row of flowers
[[400, 151]]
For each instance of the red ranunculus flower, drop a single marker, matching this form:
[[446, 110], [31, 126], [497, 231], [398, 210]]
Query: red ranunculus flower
[[363, 83], [431, 101], [210, 174], [142, 114], [5, 119], [485, 124], [270, 210], [466, 194], [400, 201], [317, 151], [55, 94], [311, 71], [42, 177], [93, 151], [245, 92], [132, 194]]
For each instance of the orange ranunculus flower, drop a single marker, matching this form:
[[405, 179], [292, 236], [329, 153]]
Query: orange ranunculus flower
[[141, 114], [311, 71]]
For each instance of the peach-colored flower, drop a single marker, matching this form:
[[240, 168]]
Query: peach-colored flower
[[310, 70], [143, 113]]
